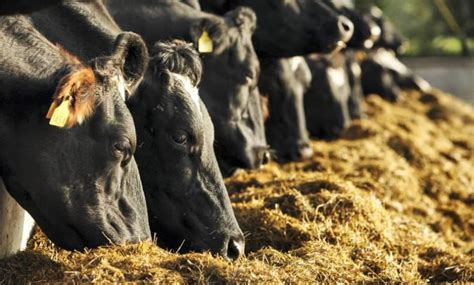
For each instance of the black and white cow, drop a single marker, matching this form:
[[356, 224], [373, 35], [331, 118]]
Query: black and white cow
[[230, 70], [286, 81], [290, 27], [74, 173], [366, 31], [382, 72], [327, 101], [175, 151]]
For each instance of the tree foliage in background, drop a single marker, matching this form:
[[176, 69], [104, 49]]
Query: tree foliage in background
[[426, 27]]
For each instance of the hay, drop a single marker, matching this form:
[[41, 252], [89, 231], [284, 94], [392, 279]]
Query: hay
[[393, 200]]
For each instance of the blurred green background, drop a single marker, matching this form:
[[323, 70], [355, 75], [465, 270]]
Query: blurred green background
[[432, 27]]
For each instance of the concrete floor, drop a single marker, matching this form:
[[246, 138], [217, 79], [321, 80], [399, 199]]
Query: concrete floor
[[454, 75]]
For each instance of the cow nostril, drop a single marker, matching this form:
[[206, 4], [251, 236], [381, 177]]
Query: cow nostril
[[346, 28], [235, 248], [306, 151], [266, 157]]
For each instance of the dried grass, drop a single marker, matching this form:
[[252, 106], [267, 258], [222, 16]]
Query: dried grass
[[393, 200]]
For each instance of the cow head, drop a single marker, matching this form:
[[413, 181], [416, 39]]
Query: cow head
[[187, 200], [389, 38], [229, 89], [285, 81], [326, 102], [366, 31], [377, 79], [79, 180], [296, 27]]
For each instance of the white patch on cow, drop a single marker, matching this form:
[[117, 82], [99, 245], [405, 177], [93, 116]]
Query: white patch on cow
[[28, 224], [388, 60], [190, 89], [337, 75], [295, 62], [343, 3], [121, 86], [356, 70]]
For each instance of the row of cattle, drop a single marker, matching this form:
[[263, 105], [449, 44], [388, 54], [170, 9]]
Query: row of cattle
[[105, 136]]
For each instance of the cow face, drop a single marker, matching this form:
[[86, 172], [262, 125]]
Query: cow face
[[79, 181], [366, 31], [297, 27], [285, 81], [229, 89], [326, 102], [389, 38], [187, 200], [354, 73], [377, 79]]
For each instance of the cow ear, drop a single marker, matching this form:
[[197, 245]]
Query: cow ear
[[244, 18], [74, 99], [131, 53], [210, 29]]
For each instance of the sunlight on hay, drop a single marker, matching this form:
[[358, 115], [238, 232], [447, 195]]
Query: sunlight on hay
[[392, 200]]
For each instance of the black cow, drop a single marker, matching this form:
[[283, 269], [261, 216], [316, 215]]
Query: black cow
[[290, 27], [79, 180], [286, 81], [189, 205], [382, 72], [366, 31], [231, 71], [326, 102], [389, 38], [175, 135], [354, 73], [385, 75]]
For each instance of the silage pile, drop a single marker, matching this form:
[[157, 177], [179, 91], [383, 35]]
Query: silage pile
[[391, 201]]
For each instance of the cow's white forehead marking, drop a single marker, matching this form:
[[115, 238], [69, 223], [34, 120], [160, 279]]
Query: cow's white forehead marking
[[189, 88], [295, 62], [122, 88]]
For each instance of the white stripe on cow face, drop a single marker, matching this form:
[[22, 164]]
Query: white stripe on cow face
[[189, 88], [122, 88], [295, 63]]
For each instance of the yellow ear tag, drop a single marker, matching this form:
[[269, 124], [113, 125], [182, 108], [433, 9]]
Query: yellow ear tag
[[60, 115], [205, 43]]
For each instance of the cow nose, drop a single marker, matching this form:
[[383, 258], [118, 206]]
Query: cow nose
[[305, 151], [235, 248], [263, 156], [346, 28]]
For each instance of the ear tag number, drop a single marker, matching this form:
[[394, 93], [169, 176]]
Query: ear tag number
[[205, 43], [61, 114]]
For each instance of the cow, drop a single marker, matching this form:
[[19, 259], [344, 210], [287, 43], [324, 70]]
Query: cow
[[354, 73], [389, 38], [67, 138], [175, 152], [289, 28], [366, 31], [231, 70], [382, 72], [385, 51], [326, 102], [189, 205], [286, 81]]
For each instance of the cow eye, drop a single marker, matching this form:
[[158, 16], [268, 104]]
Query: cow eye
[[123, 149], [180, 137]]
